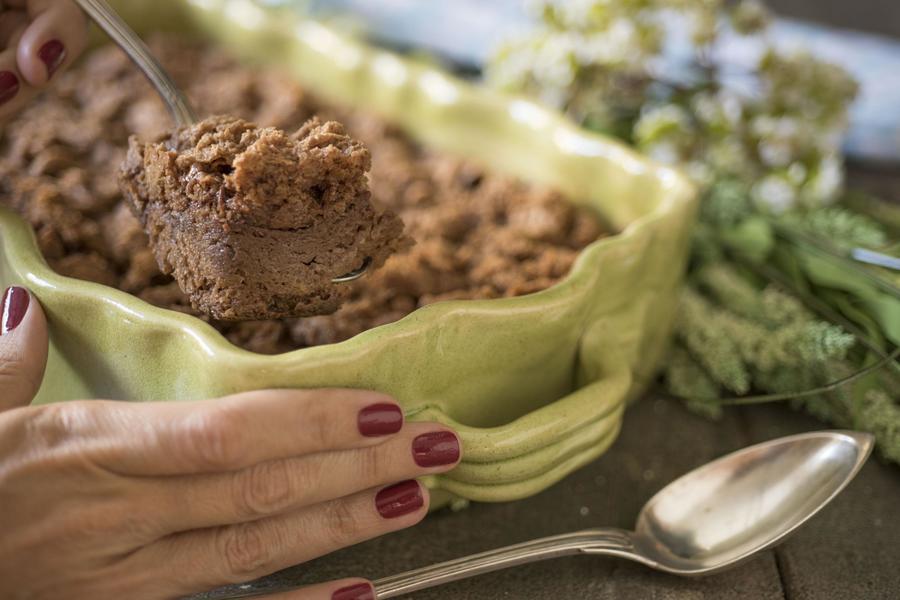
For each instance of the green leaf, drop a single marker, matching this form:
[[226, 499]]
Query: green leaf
[[752, 238], [883, 307]]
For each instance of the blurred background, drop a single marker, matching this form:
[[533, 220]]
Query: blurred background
[[863, 37]]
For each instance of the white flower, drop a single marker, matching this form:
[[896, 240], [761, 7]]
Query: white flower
[[775, 153], [662, 122], [774, 193], [700, 173], [720, 109], [779, 139], [728, 155], [765, 126], [828, 140], [553, 61], [664, 151], [577, 13], [797, 173], [620, 42], [750, 16], [552, 96], [827, 181]]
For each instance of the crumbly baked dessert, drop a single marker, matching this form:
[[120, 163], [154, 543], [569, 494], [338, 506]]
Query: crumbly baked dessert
[[254, 223], [478, 234]]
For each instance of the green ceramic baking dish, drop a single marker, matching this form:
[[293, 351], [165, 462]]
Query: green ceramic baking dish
[[535, 385]]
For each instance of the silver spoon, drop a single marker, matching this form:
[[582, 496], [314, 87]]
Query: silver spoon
[[708, 520], [179, 106]]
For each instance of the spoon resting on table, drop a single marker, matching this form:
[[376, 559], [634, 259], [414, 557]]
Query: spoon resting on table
[[180, 108], [708, 520]]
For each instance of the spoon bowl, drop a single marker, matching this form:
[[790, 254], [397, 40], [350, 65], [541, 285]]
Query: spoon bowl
[[731, 508]]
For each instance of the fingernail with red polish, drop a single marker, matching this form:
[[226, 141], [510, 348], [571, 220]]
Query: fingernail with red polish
[[399, 499], [360, 591], [13, 308], [436, 449], [380, 419], [9, 86], [52, 54]]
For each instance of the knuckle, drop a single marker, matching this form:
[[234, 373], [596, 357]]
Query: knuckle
[[245, 551], [95, 522], [371, 465], [215, 438], [52, 425], [342, 525], [323, 428], [131, 524], [120, 524], [263, 489], [47, 439]]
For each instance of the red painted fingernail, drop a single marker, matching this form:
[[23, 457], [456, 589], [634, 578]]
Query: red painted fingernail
[[13, 308], [52, 54], [380, 419], [399, 499], [436, 449], [360, 591], [9, 86]]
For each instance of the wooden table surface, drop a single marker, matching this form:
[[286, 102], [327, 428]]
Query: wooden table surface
[[851, 550]]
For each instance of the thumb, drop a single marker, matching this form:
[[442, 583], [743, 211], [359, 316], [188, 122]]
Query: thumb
[[23, 348]]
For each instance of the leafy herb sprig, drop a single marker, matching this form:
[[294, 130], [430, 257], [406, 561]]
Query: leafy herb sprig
[[788, 292]]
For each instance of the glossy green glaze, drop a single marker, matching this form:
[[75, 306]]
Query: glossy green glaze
[[536, 385]]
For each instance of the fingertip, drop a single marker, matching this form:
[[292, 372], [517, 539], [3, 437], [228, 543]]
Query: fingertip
[[426, 500], [50, 43], [20, 309], [406, 502], [15, 94], [14, 90], [24, 345], [439, 449], [353, 589], [341, 589], [10, 85], [379, 419]]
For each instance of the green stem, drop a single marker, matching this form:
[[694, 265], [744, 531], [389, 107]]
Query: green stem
[[829, 387]]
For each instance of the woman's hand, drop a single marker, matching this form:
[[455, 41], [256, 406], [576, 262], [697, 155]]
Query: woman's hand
[[38, 38], [158, 500]]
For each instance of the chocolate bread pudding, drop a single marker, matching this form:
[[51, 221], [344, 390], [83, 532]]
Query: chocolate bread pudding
[[254, 223], [477, 234]]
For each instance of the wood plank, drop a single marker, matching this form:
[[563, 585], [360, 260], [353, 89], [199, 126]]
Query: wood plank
[[850, 550]]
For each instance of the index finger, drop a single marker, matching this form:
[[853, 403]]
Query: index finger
[[176, 438]]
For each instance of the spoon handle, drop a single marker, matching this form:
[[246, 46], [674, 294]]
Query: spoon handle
[[110, 22], [611, 541]]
